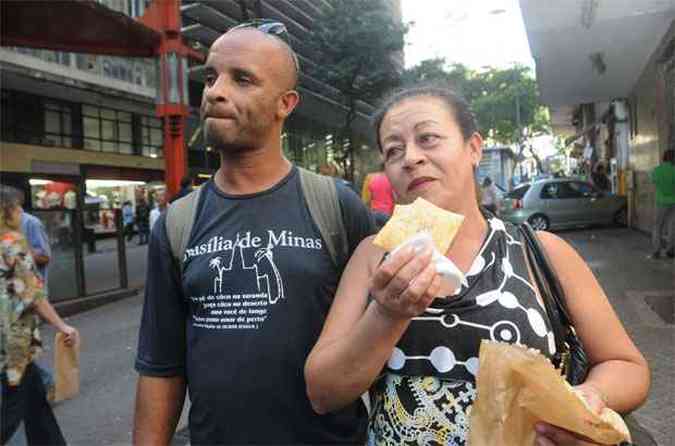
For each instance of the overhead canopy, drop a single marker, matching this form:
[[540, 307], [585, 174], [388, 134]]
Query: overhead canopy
[[81, 26], [593, 50]]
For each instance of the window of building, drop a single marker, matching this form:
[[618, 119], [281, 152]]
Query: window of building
[[87, 62], [58, 128], [137, 8], [22, 118], [152, 139], [107, 130]]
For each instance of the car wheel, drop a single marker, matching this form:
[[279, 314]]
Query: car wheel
[[621, 217], [539, 222]]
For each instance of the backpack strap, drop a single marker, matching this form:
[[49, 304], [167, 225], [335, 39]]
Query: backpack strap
[[322, 200], [179, 220]]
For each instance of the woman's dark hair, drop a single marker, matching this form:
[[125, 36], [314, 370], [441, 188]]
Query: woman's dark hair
[[455, 102]]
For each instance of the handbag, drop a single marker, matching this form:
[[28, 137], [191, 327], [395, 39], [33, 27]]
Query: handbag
[[570, 357]]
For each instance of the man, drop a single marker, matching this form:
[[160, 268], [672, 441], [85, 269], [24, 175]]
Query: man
[[36, 236], [186, 186], [128, 220], [489, 196], [663, 178], [160, 207], [256, 280], [600, 179], [142, 220]]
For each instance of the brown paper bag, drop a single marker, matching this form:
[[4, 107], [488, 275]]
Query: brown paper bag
[[517, 387], [66, 368]]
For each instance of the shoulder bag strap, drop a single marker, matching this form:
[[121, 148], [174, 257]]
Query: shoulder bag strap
[[324, 206], [550, 289], [179, 221]]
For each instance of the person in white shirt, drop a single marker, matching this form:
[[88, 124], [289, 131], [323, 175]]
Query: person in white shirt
[[489, 197], [160, 207]]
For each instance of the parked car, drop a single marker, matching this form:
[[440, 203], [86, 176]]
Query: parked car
[[562, 202]]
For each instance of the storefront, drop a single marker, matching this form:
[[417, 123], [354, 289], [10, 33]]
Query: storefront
[[81, 211]]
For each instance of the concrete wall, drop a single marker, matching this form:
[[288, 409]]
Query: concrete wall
[[649, 137], [20, 157]]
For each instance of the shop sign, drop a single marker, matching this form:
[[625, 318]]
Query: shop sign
[[55, 168]]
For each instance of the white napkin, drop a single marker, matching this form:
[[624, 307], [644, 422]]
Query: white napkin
[[452, 277]]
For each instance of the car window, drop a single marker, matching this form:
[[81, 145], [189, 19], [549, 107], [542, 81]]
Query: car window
[[550, 191], [582, 189], [519, 192], [570, 190], [563, 190]]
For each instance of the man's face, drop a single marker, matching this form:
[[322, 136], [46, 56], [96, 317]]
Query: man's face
[[243, 92], [160, 197]]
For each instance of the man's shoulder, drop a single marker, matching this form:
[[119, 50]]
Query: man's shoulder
[[31, 222], [31, 219]]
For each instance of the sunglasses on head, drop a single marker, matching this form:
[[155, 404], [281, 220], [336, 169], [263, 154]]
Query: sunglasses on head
[[271, 27], [267, 26]]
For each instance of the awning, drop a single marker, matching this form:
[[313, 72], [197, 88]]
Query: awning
[[81, 26], [590, 51]]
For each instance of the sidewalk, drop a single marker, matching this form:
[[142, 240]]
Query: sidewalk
[[102, 414], [632, 282]]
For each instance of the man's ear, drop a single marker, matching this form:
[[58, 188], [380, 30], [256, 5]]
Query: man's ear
[[287, 103], [475, 147]]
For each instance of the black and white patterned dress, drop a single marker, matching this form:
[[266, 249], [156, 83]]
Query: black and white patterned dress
[[428, 387]]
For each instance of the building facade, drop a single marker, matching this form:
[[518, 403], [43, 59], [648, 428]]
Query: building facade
[[311, 129], [607, 72], [80, 135]]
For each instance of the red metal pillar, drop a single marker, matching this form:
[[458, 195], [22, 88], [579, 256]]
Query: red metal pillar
[[172, 98]]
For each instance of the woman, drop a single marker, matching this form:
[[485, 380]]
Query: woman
[[389, 343], [21, 296]]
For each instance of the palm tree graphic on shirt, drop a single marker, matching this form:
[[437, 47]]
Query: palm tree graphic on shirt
[[263, 267]]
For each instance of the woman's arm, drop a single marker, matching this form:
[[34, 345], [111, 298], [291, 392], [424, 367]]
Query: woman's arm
[[619, 376], [47, 312], [618, 369], [357, 338]]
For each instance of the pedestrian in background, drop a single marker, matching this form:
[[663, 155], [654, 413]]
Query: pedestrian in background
[[142, 220], [331, 170], [663, 178], [186, 186], [160, 207], [22, 297], [38, 241], [128, 220], [489, 196], [378, 195], [600, 178]]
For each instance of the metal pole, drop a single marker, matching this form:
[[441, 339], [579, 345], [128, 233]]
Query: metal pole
[[121, 250]]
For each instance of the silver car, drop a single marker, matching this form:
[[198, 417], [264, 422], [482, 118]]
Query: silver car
[[562, 202]]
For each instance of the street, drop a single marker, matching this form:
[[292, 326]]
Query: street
[[641, 291]]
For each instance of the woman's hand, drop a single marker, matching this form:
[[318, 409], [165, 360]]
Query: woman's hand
[[548, 435], [405, 284], [71, 333]]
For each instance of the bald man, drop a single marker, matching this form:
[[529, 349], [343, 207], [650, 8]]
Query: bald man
[[237, 323]]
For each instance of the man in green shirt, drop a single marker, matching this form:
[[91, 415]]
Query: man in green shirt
[[663, 178]]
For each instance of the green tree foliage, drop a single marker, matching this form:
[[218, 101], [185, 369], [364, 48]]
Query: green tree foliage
[[355, 44], [505, 101]]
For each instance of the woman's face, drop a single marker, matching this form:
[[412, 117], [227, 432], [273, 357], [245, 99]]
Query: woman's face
[[425, 154]]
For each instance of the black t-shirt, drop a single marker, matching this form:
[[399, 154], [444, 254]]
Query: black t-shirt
[[257, 285]]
